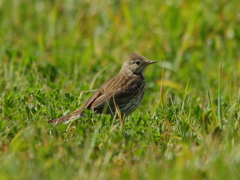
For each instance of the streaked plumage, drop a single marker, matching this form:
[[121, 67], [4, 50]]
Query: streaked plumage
[[125, 90]]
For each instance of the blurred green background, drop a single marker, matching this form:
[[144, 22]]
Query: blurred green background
[[52, 50], [73, 40]]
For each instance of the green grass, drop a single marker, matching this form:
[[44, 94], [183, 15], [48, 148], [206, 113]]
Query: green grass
[[187, 127]]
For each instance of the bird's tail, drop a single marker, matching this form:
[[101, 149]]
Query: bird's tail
[[65, 119]]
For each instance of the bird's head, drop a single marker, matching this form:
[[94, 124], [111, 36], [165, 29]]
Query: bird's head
[[136, 63]]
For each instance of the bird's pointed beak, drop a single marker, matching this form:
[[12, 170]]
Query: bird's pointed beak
[[151, 62]]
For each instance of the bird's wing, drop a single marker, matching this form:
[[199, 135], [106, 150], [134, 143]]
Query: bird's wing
[[95, 96], [118, 96]]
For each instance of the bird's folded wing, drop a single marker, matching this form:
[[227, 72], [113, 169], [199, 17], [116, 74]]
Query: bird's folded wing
[[118, 96]]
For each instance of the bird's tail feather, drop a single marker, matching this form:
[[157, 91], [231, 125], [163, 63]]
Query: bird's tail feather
[[65, 119]]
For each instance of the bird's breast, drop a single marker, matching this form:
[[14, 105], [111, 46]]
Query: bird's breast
[[133, 102]]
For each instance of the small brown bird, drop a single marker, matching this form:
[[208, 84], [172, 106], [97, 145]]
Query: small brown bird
[[123, 93]]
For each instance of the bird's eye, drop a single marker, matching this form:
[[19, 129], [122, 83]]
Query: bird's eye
[[137, 62]]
